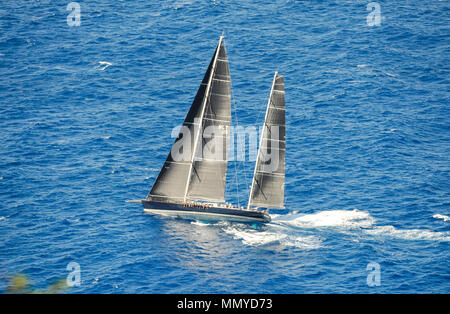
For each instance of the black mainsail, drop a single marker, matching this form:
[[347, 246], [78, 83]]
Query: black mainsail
[[268, 179], [195, 169]]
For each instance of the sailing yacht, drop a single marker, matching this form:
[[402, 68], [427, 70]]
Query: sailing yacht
[[191, 183]]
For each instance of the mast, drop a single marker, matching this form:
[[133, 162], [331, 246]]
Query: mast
[[196, 140]]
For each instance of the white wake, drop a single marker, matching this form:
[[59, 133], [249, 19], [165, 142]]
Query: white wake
[[304, 230], [332, 218], [273, 237]]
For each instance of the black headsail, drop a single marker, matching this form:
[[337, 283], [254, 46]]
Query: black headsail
[[268, 179], [195, 169]]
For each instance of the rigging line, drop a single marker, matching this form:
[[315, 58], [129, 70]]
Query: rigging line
[[235, 162], [260, 111], [260, 187], [234, 151]]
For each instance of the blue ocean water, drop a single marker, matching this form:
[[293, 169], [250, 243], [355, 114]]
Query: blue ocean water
[[368, 137]]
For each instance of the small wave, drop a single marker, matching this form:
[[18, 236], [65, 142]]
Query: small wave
[[254, 237], [390, 74], [70, 221], [200, 223], [265, 238], [102, 65], [182, 3], [443, 217]]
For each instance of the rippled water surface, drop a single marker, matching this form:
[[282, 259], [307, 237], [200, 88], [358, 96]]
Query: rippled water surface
[[86, 115]]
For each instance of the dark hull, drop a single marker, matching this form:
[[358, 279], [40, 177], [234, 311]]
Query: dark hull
[[204, 213]]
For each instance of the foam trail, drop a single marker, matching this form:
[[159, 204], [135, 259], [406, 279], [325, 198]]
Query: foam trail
[[409, 234], [357, 221], [332, 218], [199, 223], [305, 231], [276, 237]]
